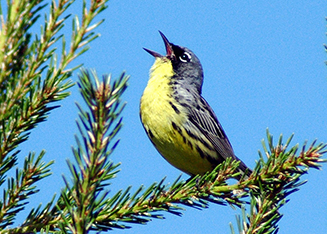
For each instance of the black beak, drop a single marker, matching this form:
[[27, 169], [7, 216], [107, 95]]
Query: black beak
[[154, 54], [168, 46]]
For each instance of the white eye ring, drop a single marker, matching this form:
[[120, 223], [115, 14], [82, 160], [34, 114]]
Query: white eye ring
[[185, 57]]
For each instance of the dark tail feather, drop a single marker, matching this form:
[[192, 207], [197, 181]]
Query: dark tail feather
[[246, 172]]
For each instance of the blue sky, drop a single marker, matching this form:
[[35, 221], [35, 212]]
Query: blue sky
[[264, 67]]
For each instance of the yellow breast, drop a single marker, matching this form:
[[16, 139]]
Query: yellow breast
[[156, 112], [164, 125]]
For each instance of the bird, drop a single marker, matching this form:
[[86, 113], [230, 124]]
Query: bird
[[178, 120]]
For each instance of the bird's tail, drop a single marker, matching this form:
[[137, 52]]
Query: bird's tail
[[245, 171]]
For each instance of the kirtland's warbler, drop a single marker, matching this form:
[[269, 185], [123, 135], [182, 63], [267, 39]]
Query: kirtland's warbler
[[177, 119]]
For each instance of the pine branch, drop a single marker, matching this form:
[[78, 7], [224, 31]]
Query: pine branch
[[25, 97], [80, 203], [31, 79], [268, 186], [22, 187], [83, 200], [276, 179]]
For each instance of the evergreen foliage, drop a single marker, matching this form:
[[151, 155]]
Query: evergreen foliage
[[33, 76]]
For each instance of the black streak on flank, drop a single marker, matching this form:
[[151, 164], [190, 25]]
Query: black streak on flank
[[175, 108], [150, 133], [178, 129], [200, 152], [199, 139], [190, 144], [204, 155]]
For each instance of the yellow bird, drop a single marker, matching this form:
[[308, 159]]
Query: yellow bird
[[178, 120]]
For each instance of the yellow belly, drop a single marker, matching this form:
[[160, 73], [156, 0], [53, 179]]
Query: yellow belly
[[160, 121]]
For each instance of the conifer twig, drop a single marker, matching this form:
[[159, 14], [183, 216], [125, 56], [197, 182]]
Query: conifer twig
[[31, 79]]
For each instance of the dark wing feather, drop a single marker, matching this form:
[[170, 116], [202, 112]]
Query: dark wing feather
[[205, 120]]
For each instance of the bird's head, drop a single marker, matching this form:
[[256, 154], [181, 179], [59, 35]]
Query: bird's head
[[185, 64]]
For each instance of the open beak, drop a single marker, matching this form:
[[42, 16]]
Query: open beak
[[169, 50]]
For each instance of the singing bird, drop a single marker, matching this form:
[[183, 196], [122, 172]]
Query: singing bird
[[177, 119]]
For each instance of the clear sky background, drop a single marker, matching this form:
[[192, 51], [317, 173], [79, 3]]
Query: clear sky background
[[264, 67]]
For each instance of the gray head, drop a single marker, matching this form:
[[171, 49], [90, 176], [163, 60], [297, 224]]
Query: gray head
[[186, 66]]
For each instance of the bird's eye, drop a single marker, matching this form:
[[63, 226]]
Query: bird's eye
[[185, 57]]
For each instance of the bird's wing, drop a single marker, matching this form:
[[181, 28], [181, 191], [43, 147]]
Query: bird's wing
[[205, 120]]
